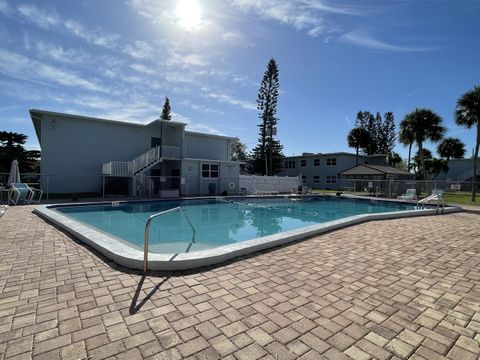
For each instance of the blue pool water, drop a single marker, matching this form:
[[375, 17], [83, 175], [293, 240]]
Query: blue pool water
[[218, 223]]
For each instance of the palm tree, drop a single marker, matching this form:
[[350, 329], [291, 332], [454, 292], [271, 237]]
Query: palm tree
[[358, 138], [11, 148], [451, 148], [467, 114], [426, 126], [406, 136]]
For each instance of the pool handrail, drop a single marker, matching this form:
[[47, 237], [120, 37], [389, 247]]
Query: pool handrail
[[147, 231]]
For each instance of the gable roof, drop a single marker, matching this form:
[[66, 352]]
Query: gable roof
[[367, 169]]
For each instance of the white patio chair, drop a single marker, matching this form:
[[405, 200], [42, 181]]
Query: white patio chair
[[410, 194], [22, 193]]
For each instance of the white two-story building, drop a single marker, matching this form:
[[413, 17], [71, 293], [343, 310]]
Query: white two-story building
[[81, 154]]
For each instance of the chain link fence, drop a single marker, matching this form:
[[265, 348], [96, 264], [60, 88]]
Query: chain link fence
[[99, 186]]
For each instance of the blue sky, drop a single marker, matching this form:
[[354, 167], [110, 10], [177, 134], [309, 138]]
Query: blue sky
[[119, 59]]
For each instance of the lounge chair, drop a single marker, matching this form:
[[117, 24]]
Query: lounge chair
[[410, 194], [22, 193]]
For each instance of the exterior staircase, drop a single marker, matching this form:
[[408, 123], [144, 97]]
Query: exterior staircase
[[142, 163], [146, 161]]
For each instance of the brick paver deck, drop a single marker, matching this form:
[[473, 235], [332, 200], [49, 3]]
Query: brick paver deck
[[406, 288]]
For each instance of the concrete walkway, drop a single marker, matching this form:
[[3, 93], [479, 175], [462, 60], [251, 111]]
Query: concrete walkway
[[396, 289]]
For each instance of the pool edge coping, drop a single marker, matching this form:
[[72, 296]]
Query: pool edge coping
[[132, 258]]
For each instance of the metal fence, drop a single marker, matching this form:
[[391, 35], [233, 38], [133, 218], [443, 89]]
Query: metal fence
[[101, 186], [395, 188]]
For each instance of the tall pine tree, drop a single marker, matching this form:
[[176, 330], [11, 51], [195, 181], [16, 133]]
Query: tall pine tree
[[166, 110], [267, 156]]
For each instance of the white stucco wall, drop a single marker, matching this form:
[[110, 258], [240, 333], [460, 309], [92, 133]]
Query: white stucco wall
[[204, 146], [74, 149]]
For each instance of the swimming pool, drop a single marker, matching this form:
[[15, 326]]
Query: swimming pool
[[208, 231]]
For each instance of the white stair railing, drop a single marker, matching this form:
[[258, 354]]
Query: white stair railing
[[145, 160]]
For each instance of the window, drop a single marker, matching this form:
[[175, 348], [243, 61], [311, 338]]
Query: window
[[331, 179], [331, 161], [304, 179], [316, 162], [316, 179], [210, 170], [290, 164], [303, 163]]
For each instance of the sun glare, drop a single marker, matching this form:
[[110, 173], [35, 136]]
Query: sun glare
[[188, 13]]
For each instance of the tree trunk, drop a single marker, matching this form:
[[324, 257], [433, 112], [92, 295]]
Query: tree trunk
[[409, 155], [475, 157], [423, 171], [356, 157]]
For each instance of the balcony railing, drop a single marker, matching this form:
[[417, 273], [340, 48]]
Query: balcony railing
[[117, 168]]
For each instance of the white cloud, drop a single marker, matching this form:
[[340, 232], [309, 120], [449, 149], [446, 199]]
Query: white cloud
[[174, 58], [40, 17], [19, 66], [194, 59], [322, 6], [153, 9], [289, 13], [234, 38], [97, 37], [5, 8], [141, 69], [197, 107], [365, 40], [228, 99], [139, 50], [57, 52], [180, 77], [198, 127]]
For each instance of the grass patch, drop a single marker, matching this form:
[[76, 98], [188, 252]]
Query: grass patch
[[461, 198]]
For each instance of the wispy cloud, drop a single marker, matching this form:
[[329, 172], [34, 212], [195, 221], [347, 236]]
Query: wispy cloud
[[139, 50], [175, 58], [142, 69], [97, 36], [38, 16], [198, 127], [56, 52], [228, 99], [21, 67], [323, 6], [5, 8], [307, 15], [365, 40], [197, 107], [235, 38]]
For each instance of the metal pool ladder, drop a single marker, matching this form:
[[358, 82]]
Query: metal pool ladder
[[147, 231]]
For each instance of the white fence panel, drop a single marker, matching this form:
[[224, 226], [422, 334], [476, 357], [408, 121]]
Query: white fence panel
[[257, 184]]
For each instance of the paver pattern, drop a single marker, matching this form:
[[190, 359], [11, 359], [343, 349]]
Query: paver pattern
[[394, 289]]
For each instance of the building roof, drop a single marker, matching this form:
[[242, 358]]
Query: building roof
[[367, 169], [338, 153], [210, 135], [37, 115]]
